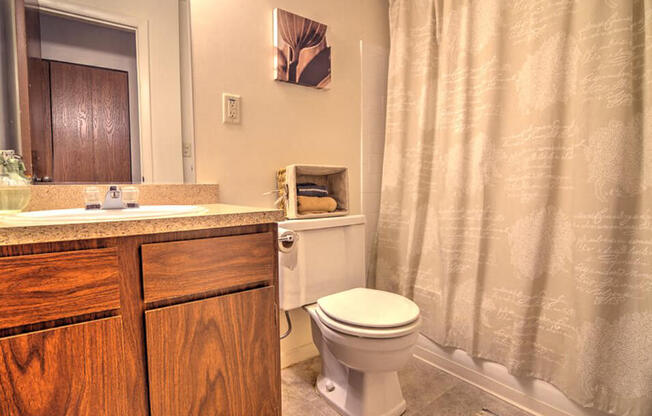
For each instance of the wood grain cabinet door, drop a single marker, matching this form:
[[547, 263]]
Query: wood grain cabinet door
[[74, 370], [217, 356]]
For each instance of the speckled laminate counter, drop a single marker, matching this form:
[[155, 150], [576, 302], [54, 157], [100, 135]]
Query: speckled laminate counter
[[72, 196], [212, 216]]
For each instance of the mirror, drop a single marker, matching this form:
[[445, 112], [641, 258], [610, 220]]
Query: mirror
[[95, 91]]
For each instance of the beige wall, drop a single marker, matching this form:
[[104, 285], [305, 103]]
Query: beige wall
[[281, 123]]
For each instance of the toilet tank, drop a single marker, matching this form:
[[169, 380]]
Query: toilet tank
[[327, 256]]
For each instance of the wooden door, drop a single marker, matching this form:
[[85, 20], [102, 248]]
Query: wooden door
[[75, 370], [90, 124], [217, 356]]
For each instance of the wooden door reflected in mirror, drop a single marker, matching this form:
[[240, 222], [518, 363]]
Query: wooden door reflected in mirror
[[90, 124]]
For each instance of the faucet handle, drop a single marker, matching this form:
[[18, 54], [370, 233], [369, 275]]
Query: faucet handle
[[130, 196], [92, 197]]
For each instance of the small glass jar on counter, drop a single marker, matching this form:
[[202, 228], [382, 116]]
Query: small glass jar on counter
[[15, 188], [130, 196], [92, 198]]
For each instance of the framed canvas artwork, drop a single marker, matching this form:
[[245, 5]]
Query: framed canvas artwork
[[302, 54]]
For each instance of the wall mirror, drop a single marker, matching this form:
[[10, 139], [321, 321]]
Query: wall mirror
[[96, 91]]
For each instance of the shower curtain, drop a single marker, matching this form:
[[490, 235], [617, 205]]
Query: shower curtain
[[516, 205]]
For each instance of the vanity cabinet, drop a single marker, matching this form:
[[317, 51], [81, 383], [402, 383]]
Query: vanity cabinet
[[182, 323]]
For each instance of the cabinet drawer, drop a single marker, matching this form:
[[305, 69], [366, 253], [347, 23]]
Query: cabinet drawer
[[182, 268], [45, 287]]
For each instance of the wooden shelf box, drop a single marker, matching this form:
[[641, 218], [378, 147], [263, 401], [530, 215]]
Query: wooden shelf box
[[335, 178]]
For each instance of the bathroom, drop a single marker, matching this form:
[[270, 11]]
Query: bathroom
[[484, 247]]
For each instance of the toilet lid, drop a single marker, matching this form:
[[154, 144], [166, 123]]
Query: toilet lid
[[369, 308]]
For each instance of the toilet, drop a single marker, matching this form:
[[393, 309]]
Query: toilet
[[364, 336]]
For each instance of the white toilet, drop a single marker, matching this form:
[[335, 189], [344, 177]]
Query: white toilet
[[364, 336]]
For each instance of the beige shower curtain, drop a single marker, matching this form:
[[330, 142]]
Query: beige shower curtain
[[517, 187]]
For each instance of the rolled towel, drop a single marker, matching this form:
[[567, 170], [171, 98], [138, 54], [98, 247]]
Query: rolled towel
[[315, 205], [311, 189]]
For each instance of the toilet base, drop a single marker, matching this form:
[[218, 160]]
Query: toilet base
[[365, 394]]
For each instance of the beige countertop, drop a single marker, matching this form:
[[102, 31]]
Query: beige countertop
[[45, 196], [212, 216]]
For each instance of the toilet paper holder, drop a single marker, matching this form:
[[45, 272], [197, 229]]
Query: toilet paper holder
[[287, 237], [286, 241]]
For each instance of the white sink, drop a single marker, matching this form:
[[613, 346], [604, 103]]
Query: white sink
[[82, 215]]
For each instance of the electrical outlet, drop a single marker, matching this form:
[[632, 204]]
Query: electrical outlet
[[187, 150], [230, 108]]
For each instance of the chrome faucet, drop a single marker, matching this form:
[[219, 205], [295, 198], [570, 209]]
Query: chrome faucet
[[113, 198]]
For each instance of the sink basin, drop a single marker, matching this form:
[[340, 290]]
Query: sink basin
[[83, 215]]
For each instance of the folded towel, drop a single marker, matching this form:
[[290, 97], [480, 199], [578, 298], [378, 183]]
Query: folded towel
[[314, 204], [311, 189]]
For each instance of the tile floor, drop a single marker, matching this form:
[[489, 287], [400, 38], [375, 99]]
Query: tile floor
[[427, 390]]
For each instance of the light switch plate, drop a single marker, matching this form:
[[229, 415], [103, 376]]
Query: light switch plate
[[187, 150], [231, 108]]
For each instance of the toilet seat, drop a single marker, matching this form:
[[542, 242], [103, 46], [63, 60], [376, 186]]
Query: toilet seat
[[369, 308], [366, 332], [369, 313]]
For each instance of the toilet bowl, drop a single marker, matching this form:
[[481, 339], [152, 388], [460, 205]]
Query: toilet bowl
[[364, 336], [360, 363]]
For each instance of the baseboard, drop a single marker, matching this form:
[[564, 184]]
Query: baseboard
[[298, 354], [534, 396]]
